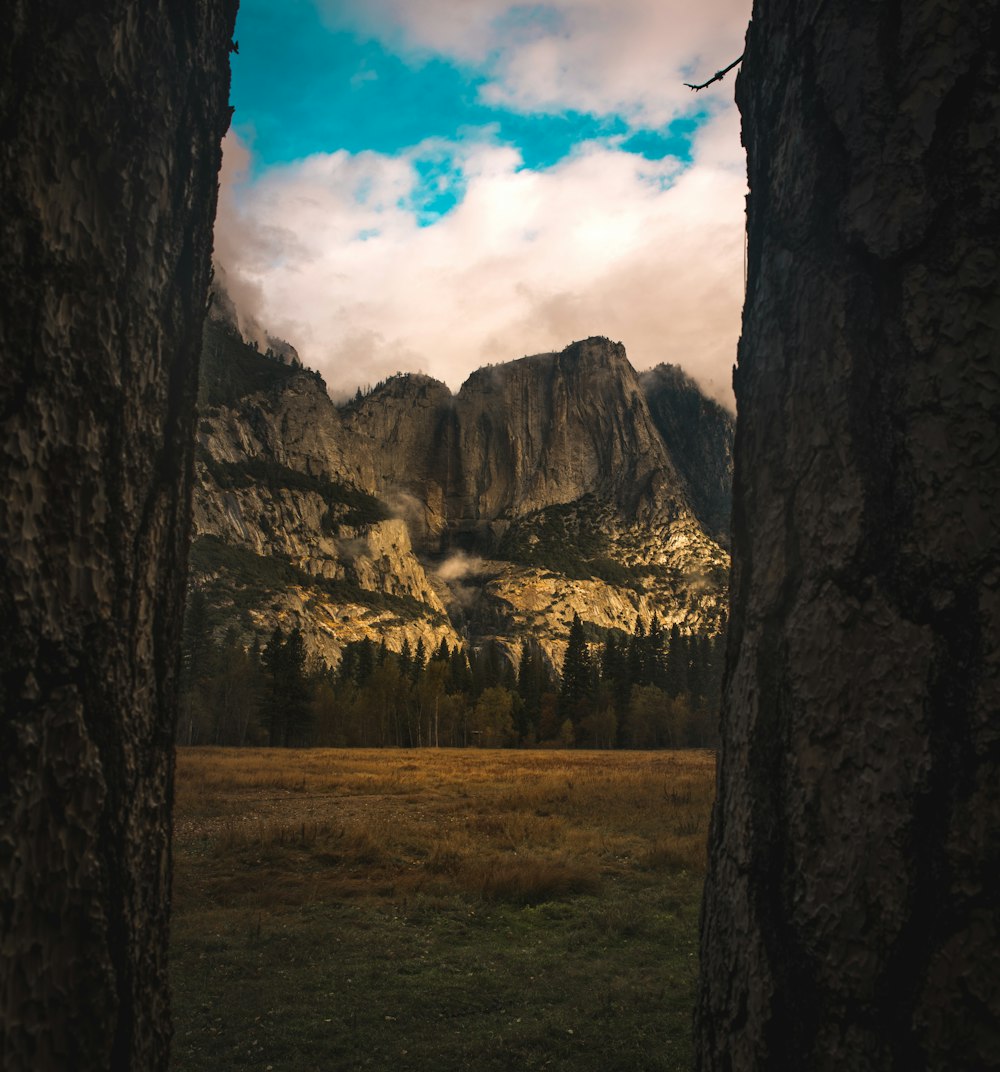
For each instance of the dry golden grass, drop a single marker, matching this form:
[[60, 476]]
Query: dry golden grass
[[272, 827], [434, 911]]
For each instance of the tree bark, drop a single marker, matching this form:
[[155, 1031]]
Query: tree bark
[[850, 918], [112, 115]]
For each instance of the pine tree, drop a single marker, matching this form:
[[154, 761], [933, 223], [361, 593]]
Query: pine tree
[[655, 664], [851, 906], [459, 672], [296, 707], [419, 659], [233, 693], [488, 668], [196, 637], [532, 679], [112, 118], [365, 660], [577, 673], [615, 675], [695, 669], [271, 658], [637, 654], [405, 658], [287, 710], [676, 663], [717, 660]]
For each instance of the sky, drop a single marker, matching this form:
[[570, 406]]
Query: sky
[[435, 185]]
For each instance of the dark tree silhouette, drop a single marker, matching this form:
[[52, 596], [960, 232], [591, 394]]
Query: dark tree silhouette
[[851, 910], [287, 709], [577, 671], [112, 117]]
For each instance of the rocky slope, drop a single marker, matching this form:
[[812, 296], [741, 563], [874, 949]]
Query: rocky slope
[[544, 487], [698, 433]]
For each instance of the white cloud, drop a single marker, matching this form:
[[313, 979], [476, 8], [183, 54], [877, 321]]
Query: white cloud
[[628, 58], [605, 243], [328, 252]]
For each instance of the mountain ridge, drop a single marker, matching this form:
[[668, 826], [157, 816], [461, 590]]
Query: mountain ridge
[[542, 488]]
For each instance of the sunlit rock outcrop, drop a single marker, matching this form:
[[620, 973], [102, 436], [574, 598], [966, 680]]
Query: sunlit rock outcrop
[[542, 488]]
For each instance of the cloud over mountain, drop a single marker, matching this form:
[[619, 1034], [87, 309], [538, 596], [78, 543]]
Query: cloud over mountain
[[452, 252]]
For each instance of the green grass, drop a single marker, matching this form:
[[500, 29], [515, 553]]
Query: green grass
[[441, 983], [437, 910]]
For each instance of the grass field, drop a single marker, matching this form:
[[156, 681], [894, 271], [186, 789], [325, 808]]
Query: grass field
[[438, 910]]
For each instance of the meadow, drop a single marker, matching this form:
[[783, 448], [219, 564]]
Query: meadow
[[436, 909]]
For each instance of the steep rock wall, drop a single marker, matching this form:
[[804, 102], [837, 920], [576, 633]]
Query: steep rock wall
[[544, 474]]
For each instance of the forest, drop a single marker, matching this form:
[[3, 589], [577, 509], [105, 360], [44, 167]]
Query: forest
[[655, 688]]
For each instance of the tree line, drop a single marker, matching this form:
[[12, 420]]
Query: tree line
[[652, 689]]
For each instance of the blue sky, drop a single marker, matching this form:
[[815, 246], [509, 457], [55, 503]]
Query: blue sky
[[302, 87], [470, 141]]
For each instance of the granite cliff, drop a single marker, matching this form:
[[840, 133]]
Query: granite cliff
[[545, 487]]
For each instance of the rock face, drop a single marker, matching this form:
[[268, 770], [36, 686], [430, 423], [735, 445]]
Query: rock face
[[543, 488], [851, 908], [698, 433], [521, 437], [286, 532], [550, 429]]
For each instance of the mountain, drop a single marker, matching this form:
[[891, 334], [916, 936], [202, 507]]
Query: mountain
[[698, 433], [519, 438], [556, 484]]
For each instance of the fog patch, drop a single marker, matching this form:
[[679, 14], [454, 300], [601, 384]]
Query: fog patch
[[405, 506], [242, 252], [352, 549], [455, 571]]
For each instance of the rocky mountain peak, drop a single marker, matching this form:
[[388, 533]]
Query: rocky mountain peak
[[597, 350], [585, 357], [222, 310], [547, 486], [405, 385], [551, 428]]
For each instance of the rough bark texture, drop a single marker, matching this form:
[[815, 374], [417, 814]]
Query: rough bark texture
[[851, 913], [111, 115]]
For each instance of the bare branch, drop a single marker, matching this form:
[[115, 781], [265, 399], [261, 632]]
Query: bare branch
[[719, 75]]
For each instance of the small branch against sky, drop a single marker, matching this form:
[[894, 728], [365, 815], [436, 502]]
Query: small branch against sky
[[718, 76]]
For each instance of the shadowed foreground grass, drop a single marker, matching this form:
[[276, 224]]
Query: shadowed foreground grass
[[436, 910]]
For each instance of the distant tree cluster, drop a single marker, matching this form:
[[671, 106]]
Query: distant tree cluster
[[232, 368], [648, 690], [652, 689], [363, 391]]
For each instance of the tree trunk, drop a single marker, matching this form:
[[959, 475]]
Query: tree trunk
[[112, 115], [850, 918]]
